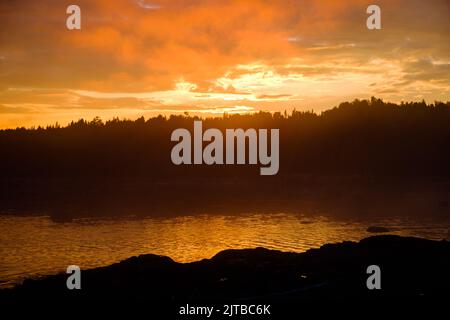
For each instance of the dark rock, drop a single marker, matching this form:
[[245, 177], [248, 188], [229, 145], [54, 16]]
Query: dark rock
[[409, 266]]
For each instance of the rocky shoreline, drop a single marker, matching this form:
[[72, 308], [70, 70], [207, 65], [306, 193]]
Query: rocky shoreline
[[409, 267]]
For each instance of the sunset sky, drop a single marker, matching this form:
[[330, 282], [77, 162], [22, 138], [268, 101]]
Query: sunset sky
[[144, 57]]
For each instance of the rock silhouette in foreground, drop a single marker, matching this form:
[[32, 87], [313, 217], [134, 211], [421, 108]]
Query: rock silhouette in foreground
[[409, 267]]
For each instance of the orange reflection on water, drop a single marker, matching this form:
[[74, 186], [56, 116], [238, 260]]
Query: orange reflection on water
[[32, 246]]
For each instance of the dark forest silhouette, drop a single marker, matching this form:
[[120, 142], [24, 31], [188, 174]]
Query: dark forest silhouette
[[388, 150]]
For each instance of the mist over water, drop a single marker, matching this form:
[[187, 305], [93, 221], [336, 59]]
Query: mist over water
[[36, 246]]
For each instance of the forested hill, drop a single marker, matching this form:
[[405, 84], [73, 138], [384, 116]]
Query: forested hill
[[362, 138]]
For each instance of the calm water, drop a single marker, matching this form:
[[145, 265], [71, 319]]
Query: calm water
[[35, 246]]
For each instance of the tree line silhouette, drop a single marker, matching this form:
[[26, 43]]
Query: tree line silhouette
[[363, 137], [369, 140]]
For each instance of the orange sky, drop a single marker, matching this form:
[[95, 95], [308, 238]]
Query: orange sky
[[143, 57]]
